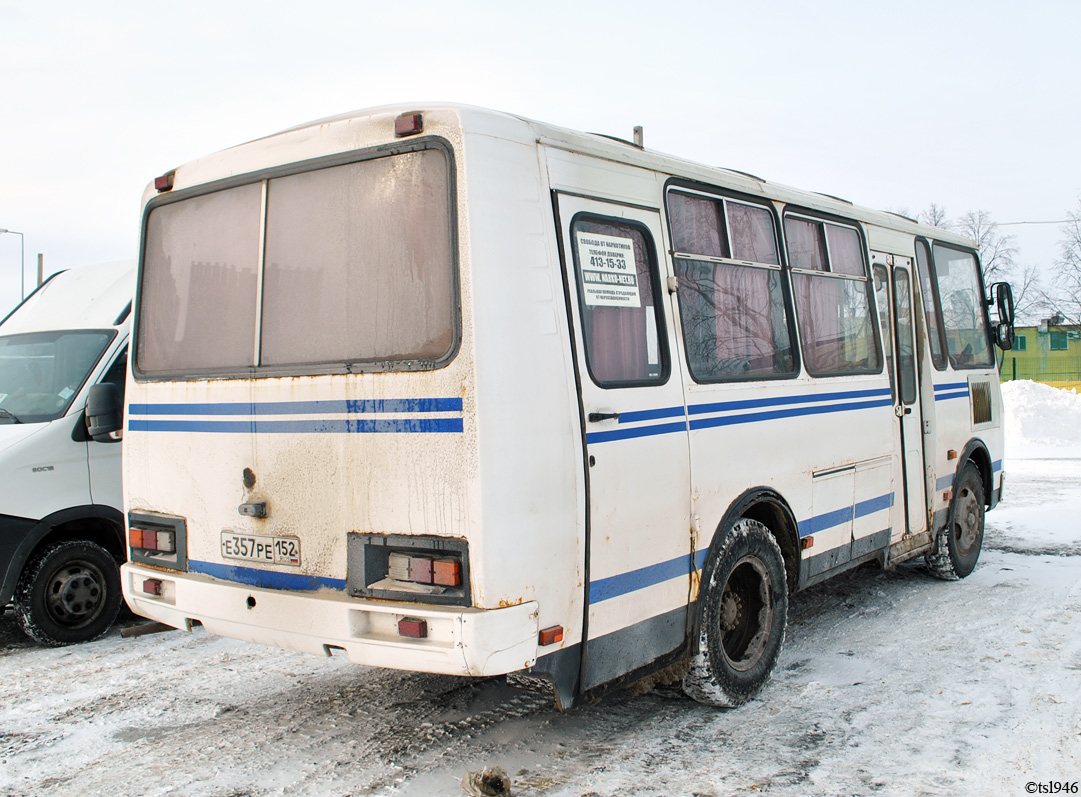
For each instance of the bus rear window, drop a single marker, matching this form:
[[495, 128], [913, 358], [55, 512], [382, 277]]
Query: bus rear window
[[357, 269]]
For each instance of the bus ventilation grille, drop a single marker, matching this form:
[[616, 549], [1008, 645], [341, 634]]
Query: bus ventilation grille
[[981, 402]]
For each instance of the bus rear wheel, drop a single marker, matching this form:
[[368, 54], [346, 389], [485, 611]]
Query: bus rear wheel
[[960, 543], [743, 608], [70, 593]]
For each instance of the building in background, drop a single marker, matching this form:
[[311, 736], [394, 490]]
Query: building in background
[[1049, 353]]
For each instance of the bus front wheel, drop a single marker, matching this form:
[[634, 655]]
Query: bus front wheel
[[959, 544], [743, 608]]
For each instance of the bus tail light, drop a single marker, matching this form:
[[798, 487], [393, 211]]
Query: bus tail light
[[152, 586], [406, 567], [152, 540]]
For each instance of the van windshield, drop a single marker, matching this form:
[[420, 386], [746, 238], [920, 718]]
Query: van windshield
[[42, 372]]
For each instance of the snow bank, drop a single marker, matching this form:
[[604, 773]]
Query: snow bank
[[1042, 422]]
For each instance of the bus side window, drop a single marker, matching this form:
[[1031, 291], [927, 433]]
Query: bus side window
[[931, 314], [734, 318], [617, 291], [833, 297]]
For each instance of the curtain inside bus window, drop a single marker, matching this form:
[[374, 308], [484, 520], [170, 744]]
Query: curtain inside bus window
[[619, 317], [963, 318], [197, 303], [836, 325], [359, 265], [845, 251], [734, 321], [696, 225], [930, 306], [806, 244], [752, 233]]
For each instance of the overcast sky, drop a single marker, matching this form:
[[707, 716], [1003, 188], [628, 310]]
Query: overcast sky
[[973, 105]]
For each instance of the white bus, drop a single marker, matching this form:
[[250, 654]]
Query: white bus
[[454, 391]]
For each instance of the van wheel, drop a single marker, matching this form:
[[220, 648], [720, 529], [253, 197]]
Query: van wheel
[[959, 544], [69, 593], [743, 608]]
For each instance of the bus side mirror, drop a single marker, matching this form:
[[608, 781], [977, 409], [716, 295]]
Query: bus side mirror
[[1003, 298], [104, 412]]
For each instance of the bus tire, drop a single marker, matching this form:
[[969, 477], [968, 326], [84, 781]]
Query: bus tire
[[69, 593], [743, 608], [959, 544]]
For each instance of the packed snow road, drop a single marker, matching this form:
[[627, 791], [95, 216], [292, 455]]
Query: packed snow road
[[890, 683]]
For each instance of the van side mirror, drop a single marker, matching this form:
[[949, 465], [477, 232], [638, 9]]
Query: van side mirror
[[104, 412], [1003, 299]]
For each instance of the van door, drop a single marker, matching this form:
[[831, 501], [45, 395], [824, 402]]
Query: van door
[[104, 457], [637, 461]]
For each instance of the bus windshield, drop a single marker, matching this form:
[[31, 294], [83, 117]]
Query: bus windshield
[[42, 372]]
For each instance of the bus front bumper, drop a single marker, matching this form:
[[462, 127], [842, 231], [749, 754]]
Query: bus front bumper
[[459, 641]]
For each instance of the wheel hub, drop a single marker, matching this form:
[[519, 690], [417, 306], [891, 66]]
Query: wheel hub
[[76, 593], [731, 610]]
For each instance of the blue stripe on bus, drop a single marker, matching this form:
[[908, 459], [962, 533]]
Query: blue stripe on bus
[[948, 396], [624, 583], [350, 407], [753, 417], [328, 426], [652, 415], [724, 406], [943, 482], [829, 520], [951, 386], [637, 431], [996, 466], [268, 579]]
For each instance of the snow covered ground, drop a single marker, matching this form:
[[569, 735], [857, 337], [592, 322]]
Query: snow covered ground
[[890, 683]]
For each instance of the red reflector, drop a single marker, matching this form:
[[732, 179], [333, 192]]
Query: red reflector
[[446, 572], [408, 124], [807, 542], [412, 627], [152, 586], [165, 182], [549, 636]]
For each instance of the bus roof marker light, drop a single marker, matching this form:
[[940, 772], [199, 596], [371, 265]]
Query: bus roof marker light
[[165, 182], [408, 124]]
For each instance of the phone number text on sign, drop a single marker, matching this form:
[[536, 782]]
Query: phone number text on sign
[[609, 272]]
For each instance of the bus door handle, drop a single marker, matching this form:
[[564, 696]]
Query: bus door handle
[[900, 410], [597, 417]]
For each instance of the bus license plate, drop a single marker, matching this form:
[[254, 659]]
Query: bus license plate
[[259, 548]]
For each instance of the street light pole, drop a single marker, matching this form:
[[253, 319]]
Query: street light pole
[[22, 262]]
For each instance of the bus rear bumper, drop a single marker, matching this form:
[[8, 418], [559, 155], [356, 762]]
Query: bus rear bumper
[[459, 641]]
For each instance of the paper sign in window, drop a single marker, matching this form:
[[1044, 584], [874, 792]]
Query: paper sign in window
[[609, 272]]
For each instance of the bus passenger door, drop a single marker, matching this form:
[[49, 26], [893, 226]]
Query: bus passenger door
[[893, 290], [637, 470]]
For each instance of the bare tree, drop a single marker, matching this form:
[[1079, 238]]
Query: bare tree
[[1066, 282], [997, 251], [935, 216]]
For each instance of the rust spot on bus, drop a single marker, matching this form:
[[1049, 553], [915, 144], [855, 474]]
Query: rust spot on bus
[[504, 603]]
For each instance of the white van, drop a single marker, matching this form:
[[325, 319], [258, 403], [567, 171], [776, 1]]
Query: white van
[[61, 526]]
